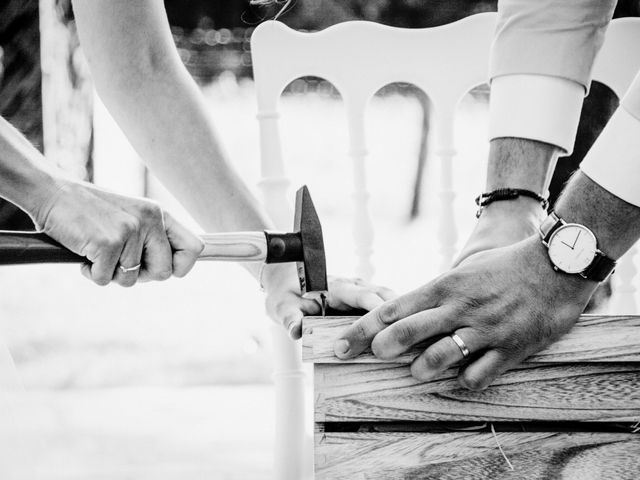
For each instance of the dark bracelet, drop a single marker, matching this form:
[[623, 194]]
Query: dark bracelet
[[488, 198]]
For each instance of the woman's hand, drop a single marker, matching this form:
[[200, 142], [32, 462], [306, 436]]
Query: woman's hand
[[286, 306], [117, 234]]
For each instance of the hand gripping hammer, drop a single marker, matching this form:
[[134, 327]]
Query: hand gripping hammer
[[304, 245]]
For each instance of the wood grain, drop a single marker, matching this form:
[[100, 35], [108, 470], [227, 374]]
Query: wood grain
[[593, 339], [595, 392], [471, 456]]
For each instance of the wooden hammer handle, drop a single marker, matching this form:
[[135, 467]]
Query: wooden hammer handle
[[234, 247], [29, 247]]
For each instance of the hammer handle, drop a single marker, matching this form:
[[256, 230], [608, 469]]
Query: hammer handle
[[26, 247]]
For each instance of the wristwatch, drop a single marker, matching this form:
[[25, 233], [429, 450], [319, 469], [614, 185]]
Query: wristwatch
[[573, 249]]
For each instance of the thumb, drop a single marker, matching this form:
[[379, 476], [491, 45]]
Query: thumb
[[185, 245], [292, 322]]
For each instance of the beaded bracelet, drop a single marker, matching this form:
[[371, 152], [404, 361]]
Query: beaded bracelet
[[488, 198]]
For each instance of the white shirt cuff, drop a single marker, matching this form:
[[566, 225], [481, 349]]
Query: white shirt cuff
[[536, 107], [614, 159]]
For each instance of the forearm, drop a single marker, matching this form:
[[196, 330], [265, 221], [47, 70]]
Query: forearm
[[614, 222], [139, 76], [520, 163], [26, 179], [166, 121]]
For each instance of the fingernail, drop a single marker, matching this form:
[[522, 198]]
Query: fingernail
[[295, 330], [341, 348]]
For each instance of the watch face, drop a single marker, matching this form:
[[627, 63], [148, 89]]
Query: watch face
[[572, 248]]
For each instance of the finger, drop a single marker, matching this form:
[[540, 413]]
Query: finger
[[445, 353], [157, 257], [185, 245], [345, 295], [85, 270], [130, 258], [305, 308], [103, 265], [386, 293], [479, 374], [346, 289], [355, 339], [294, 328], [291, 319], [403, 334]]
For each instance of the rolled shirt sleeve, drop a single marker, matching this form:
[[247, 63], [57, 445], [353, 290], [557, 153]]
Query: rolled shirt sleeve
[[536, 107], [541, 62], [614, 159], [557, 38]]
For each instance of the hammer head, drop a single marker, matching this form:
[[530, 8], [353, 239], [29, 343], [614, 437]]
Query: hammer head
[[312, 268]]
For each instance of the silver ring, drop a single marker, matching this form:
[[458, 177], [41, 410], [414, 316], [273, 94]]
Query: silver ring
[[130, 269], [463, 348]]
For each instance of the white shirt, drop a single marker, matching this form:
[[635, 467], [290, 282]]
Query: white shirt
[[547, 109]]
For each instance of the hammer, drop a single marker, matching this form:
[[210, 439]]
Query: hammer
[[304, 245]]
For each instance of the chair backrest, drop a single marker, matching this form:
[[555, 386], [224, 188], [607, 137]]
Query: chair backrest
[[359, 58]]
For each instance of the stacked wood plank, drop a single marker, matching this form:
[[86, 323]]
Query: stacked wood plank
[[570, 412]]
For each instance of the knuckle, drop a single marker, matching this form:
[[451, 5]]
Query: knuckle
[[435, 357], [513, 341], [131, 225], [404, 334], [150, 211], [389, 312], [108, 242], [359, 330]]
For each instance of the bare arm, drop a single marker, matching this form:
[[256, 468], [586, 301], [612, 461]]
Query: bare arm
[[107, 229], [513, 163], [139, 76]]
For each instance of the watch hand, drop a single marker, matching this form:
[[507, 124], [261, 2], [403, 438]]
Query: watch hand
[[567, 244], [576, 241]]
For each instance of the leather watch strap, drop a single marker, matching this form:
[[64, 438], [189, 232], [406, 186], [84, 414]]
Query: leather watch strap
[[601, 267], [549, 226]]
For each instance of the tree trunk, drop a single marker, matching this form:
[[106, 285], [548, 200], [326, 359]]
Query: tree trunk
[[20, 85], [52, 109], [67, 91]]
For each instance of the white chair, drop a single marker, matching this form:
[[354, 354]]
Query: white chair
[[359, 58]]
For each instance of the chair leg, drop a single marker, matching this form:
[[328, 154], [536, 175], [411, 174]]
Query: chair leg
[[292, 445], [422, 155]]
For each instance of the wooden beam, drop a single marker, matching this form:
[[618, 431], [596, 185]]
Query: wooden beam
[[374, 392], [469, 455], [595, 338]]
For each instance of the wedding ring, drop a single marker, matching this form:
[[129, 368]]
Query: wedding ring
[[463, 348], [130, 269]]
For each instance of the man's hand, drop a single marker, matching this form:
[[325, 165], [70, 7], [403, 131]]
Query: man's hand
[[112, 230], [286, 306], [501, 224], [505, 304]]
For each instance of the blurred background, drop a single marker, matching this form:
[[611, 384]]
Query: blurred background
[[172, 380]]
